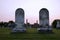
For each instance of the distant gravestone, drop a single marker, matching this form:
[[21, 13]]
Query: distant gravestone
[[11, 24], [44, 20], [58, 24], [19, 20]]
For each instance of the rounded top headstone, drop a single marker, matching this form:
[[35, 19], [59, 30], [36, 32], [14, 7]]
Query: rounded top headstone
[[19, 11], [44, 10]]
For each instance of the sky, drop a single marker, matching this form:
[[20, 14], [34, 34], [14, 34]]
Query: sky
[[31, 9]]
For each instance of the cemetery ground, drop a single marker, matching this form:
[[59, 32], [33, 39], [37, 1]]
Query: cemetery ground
[[31, 34]]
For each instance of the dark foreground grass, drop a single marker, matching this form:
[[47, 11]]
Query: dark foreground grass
[[31, 34]]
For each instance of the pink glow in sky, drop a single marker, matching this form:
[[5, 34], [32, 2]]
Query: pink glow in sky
[[31, 8]]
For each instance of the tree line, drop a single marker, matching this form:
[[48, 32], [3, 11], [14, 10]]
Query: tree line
[[12, 24]]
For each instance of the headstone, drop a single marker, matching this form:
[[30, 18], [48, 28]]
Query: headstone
[[58, 24], [44, 21], [11, 24], [19, 20]]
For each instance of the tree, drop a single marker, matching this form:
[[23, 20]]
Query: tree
[[35, 25], [1, 24], [28, 25], [5, 24]]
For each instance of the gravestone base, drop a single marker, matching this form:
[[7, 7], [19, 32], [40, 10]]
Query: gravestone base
[[19, 30], [58, 27], [45, 30]]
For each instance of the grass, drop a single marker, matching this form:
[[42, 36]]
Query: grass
[[31, 34]]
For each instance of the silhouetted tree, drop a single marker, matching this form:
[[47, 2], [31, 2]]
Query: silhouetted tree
[[35, 25], [1, 24], [32, 25], [28, 25], [5, 24]]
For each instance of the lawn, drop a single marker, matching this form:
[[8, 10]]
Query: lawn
[[31, 34]]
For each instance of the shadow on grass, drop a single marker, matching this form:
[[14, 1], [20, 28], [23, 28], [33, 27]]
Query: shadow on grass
[[45, 32]]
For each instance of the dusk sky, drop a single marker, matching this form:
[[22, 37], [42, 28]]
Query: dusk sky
[[31, 8]]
